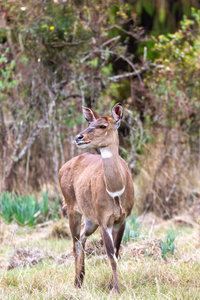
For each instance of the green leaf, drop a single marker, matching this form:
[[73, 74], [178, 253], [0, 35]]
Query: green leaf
[[94, 62]]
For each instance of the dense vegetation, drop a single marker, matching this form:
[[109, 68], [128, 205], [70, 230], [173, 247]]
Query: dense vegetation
[[56, 56]]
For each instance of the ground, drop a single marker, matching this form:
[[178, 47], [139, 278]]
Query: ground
[[38, 263]]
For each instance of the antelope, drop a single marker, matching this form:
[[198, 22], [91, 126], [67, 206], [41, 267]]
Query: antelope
[[98, 187]]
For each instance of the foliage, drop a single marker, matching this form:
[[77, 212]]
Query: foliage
[[173, 119], [168, 245], [65, 58], [7, 78], [7, 207], [175, 81], [162, 16], [26, 210], [132, 230], [132, 233]]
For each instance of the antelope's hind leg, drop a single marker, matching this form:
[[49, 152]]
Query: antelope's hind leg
[[118, 232], [109, 245]]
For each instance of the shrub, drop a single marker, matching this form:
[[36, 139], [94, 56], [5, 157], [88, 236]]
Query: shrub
[[175, 80]]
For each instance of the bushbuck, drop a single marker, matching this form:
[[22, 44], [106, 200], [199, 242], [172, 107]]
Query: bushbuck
[[98, 187]]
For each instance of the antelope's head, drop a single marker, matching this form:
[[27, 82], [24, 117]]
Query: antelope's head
[[102, 131]]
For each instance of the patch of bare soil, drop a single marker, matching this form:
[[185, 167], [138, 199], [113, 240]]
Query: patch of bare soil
[[7, 232], [148, 247], [60, 230], [95, 248], [149, 218], [25, 257], [184, 219]]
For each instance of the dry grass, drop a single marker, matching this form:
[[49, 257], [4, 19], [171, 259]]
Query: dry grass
[[168, 180], [23, 257], [45, 268]]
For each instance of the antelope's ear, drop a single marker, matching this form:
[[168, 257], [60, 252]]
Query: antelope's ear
[[89, 114], [117, 113]]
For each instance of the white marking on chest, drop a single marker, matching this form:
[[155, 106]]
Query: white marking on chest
[[116, 194], [105, 153]]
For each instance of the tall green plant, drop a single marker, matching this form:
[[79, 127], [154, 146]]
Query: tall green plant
[[27, 210], [132, 230], [7, 206], [168, 245], [45, 204]]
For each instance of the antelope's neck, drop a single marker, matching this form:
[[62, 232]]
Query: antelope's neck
[[113, 171]]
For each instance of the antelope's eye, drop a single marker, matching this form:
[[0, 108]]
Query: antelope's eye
[[102, 127]]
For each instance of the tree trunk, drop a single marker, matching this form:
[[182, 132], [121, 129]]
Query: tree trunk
[[3, 145], [8, 176]]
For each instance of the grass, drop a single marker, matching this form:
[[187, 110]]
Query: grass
[[140, 276]]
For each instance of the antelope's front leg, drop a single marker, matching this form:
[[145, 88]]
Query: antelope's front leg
[[108, 242]]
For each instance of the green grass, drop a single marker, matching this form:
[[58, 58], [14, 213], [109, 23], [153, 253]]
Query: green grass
[[140, 276], [140, 280]]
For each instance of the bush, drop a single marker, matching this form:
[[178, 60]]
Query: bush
[[175, 80]]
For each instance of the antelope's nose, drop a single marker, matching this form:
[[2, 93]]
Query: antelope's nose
[[79, 137]]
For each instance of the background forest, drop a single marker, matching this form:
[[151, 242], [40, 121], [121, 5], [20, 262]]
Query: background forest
[[59, 55]]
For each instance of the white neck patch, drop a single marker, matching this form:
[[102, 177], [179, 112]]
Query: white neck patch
[[105, 153], [116, 194]]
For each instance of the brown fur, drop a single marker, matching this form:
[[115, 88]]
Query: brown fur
[[84, 180]]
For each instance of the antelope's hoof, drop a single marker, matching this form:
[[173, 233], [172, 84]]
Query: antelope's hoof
[[110, 285], [114, 289]]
